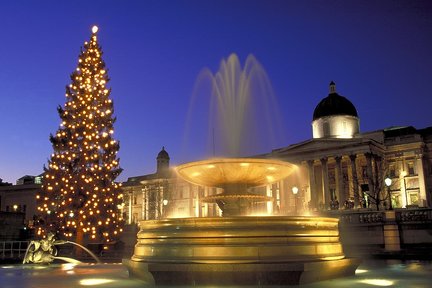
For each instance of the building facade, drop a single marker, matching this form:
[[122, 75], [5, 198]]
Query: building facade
[[21, 198], [338, 168], [163, 194]]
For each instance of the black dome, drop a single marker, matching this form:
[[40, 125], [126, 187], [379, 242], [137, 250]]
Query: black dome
[[163, 154], [334, 104]]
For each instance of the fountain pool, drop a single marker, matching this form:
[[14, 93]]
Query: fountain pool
[[370, 274]]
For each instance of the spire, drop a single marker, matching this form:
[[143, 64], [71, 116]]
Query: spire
[[332, 87]]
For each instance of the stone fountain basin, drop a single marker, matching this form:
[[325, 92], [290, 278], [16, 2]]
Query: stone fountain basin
[[220, 172], [276, 250]]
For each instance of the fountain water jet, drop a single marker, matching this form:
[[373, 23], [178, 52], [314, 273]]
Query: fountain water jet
[[238, 105], [238, 249]]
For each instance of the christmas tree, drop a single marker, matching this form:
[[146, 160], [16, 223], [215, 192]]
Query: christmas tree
[[79, 197]]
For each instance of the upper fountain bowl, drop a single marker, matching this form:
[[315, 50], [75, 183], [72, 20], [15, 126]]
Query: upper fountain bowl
[[219, 172]]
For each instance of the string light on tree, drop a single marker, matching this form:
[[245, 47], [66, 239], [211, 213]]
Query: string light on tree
[[79, 195]]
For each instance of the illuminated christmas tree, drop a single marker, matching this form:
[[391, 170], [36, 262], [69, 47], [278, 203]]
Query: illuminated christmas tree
[[79, 197]]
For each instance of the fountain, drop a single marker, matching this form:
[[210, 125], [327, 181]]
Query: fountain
[[235, 176], [45, 252], [238, 249]]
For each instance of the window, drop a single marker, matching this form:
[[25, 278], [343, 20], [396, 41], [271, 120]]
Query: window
[[392, 171], [364, 172], [411, 168]]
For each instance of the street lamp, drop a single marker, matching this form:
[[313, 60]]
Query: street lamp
[[388, 182], [295, 191]]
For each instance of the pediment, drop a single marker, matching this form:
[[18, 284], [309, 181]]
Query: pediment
[[313, 148]]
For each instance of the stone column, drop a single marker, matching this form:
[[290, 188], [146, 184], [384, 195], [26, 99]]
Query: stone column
[[325, 182], [130, 208], [355, 180], [143, 205], [369, 174], [421, 181], [339, 181], [379, 177], [312, 185]]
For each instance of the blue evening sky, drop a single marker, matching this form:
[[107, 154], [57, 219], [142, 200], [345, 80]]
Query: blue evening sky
[[377, 52]]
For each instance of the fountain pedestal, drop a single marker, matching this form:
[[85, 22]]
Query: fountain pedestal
[[240, 251]]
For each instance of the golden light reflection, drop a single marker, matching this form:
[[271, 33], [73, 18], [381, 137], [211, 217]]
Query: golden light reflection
[[329, 258], [95, 281], [378, 282], [259, 215], [361, 271], [68, 266]]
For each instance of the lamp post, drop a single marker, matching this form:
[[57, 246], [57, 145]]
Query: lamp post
[[388, 182], [295, 191]]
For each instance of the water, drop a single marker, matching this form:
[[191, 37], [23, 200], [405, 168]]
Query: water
[[238, 106], [413, 274], [385, 273], [46, 255]]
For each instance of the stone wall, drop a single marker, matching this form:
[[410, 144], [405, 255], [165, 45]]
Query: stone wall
[[11, 225], [377, 232]]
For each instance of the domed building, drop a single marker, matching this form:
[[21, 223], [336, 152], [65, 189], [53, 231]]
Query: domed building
[[343, 168], [340, 167], [335, 117]]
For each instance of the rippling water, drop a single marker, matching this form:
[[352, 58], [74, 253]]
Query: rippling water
[[390, 273]]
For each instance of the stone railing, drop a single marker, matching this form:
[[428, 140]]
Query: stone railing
[[13, 249], [365, 232], [403, 216], [352, 217], [414, 215]]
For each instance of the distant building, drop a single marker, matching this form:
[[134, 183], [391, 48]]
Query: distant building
[[339, 168], [21, 197], [4, 183], [163, 194]]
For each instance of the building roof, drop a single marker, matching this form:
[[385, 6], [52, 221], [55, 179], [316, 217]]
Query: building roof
[[163, 154], [334, 104]]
